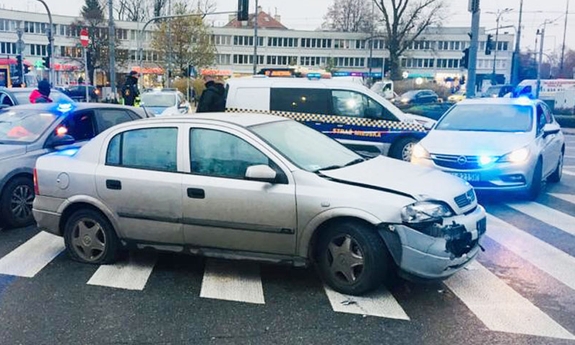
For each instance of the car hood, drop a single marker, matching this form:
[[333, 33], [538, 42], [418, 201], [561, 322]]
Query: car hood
[[474, 143], [9, 151], [401, 177], [156, 110], [422, 120]]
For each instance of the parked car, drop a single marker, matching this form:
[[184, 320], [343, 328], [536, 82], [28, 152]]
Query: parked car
[[497, 91], [503, 144], [351, 113], [417, 97], [78, 93], [432, 111], [224, 185], [17, 96], [29, 131], [457, 97], [165, 102]]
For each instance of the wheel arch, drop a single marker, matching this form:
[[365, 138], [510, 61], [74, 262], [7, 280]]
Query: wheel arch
[[73, 205]]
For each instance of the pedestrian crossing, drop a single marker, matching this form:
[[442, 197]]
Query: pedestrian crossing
[[487, 296]]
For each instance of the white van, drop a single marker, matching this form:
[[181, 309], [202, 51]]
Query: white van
[[351, 113]]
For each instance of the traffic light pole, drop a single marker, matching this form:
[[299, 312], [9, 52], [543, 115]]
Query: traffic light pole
[[472, 66], [50, 43]]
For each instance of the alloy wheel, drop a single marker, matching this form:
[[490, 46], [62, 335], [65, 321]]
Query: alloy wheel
[[21, 202], [89, 240], [345, 258]]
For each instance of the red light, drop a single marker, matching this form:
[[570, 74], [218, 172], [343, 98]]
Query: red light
[[36, 188], [61, 131]]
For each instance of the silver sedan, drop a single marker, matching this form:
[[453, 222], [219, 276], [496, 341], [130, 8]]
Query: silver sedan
[[257, 187]]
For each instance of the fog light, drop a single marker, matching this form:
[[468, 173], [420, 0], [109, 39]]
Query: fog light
[[513, 178]]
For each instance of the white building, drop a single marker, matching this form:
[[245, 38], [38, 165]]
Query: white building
[[436, 54]]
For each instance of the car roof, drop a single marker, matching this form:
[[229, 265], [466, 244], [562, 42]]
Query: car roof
[[243, 119], [295, 82], [500, 101], [49, 107]]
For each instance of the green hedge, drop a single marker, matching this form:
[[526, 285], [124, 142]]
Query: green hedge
[[567, 121]]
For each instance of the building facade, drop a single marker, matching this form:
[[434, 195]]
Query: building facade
[[435, 55]]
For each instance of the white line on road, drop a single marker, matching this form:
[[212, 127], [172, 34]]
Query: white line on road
[[229, 281], [568, 172], [500, 307], [379, 303], [547, 215], [542, 255], [130, 275], [29, 258], [567, 197]]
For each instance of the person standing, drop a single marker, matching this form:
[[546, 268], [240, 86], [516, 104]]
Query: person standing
[[213, 99], [130, 89], [42, 93]]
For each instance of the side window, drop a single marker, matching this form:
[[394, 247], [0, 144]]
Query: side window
[[547, 112], [220, 154], [541, 120], [311, 101], [351, 103], [80, 125], [110, 117], [150, 148]]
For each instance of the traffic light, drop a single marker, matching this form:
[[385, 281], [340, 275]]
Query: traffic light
[[46, 62], [465, 59], [489, 44], [18, 64], [243, 10], [26, 69]]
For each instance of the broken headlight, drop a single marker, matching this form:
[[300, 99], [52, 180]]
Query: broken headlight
[[425, 212]]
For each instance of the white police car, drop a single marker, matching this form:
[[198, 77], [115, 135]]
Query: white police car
[[165, 102]]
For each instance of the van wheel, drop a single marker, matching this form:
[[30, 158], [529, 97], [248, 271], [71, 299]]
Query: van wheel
[[555, 177], [402, 149], [16, 203], [352, 259]]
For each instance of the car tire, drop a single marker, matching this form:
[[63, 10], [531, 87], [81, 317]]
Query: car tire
[[402, 149], [536, 182], [16, 203], [555, 177], [352, 259], [90, 238]]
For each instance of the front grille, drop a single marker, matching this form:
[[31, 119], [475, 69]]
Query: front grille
[[456, 162], [465, 199]]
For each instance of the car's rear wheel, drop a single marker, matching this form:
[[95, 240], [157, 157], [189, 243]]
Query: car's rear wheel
[[402, 149], [536, 182], [16, 203], [90, 238], [352, 259], [555, 177]]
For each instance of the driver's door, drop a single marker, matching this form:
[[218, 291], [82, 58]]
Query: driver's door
[[221, 209]]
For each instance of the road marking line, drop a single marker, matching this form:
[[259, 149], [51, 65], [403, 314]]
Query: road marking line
[[542, 255], [380, 303], [547, 215], [229, 281], [568, 172], [499, 307], [567, 197], [568, 156], [32, 256], [129, 275]]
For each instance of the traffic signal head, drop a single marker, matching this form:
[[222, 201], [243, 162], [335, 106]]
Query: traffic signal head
[[489, 44], [26, 69], [243, 10], [46, 62], [19, 61], [465, 59]]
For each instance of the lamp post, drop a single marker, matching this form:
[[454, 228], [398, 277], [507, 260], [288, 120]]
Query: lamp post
[[517, 51], [50, 41], [499, 13]]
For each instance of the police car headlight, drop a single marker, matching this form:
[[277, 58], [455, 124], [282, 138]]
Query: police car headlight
[[419, 152], [517, 156], [425, 211]]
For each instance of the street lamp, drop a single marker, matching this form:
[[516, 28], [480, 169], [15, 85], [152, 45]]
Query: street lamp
[[499, 13], [50, 41]]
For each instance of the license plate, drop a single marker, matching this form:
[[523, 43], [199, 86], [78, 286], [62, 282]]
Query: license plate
[[467, 176]]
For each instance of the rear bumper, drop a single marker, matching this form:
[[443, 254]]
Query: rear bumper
[[48, 221]]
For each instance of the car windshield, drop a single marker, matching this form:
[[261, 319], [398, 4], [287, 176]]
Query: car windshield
[[55, 96], [488, 118], [23, 126], [305, 147], [493, 91], [158, 99]]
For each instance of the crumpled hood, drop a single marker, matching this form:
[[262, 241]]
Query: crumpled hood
[[164, 111], [9, 151], [394, 174], [474, 143]]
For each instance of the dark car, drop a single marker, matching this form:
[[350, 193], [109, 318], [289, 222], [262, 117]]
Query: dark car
[[18, 96], [78, 93], [417, 97], [29, 131], [432, 111], [497, 91]]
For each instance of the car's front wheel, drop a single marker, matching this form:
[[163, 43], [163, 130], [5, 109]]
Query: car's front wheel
[[402, 149], [536, 182], [16, 203], [352, 259], [555, 177], [90, 238]]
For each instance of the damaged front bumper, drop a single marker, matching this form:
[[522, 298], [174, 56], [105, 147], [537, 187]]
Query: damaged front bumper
[[439, 251]]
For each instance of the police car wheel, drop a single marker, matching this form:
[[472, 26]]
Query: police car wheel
[[402, 149]]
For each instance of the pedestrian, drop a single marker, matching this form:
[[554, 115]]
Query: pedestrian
[[213, 99], [130, 89], [42, 93]]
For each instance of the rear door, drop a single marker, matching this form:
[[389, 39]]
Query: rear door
[[109, 117]]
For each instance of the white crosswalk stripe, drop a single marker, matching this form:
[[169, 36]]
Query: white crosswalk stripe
[[129, 275], [568, 172], [28, 259], [229, 281], [501, 308], [547, 215], [567, 197], [380, 303]]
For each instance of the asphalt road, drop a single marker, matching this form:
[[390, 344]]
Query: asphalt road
[[520, 291]]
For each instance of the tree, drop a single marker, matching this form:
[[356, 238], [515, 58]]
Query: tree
[[569, 64], [133, 10], [185, 41], [349, 16], [404, 21]]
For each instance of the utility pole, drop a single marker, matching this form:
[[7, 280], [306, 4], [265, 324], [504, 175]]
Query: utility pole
[[168, 82], [517, 52], [475, 10], [561, 65], [256, 39], [112, 47], [542, 33], [50, 35], [498, 14]]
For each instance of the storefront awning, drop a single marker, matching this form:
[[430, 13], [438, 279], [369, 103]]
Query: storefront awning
[[148, 70]]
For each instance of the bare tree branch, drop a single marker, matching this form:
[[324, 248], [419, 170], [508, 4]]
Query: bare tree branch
[[349, 16]]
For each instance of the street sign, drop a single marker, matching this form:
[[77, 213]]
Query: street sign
[[84, 39]]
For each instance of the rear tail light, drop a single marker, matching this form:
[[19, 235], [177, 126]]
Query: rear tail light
[[36, 188]]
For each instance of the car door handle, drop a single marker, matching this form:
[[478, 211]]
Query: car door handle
[[113, 184], [196, 193]]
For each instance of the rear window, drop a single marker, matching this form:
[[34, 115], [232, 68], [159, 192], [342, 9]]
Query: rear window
[[311, 101]]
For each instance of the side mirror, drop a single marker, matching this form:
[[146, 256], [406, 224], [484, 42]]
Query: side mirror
[[550, 129], [60, 140], [262, 173]]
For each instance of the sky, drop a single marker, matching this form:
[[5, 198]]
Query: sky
[[308, 15]]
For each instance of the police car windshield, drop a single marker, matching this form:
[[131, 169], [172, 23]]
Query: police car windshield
[[157, 99], [23, 126], [23, 97], [305, 147], [487, 118]]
